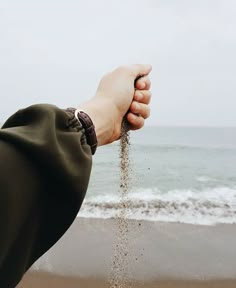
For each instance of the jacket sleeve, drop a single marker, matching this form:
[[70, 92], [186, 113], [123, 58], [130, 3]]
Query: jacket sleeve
[[45, 166]]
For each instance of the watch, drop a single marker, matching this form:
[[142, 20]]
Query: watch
[[88, 126]]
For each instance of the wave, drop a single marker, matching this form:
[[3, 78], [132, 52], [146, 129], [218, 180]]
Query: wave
[[206, 207]]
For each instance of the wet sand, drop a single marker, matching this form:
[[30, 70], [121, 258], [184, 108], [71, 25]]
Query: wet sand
[[39, 280], [161, 255]]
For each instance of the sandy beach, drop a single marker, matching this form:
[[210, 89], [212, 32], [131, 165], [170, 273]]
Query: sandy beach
[[161, 255], [39, 280]]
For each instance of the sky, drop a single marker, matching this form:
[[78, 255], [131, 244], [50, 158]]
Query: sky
[[55, 51]]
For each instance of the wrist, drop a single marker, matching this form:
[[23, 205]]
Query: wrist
[[99, 114], [77, 116]]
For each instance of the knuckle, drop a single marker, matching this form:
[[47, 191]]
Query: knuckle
[[131, 118], [148, 81], [146, 114], [134, 106], [148, 96], [121, 69], [146, 111], [141, 124]]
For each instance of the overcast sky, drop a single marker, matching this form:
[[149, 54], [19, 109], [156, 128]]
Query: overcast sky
[[54, 51]]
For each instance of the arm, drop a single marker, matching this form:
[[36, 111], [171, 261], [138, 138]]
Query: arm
[[45, 167]]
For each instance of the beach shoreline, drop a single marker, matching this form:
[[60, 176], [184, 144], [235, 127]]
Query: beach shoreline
[[39, 279], [160, 254]]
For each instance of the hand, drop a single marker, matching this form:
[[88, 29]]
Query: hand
[[117, 98]]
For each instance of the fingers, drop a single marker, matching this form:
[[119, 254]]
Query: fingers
[[140, 109], [135, 122], [143, 83], [139, 72], [142, 96]]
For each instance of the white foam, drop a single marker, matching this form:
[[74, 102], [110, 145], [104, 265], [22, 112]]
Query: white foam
[[206, 207]]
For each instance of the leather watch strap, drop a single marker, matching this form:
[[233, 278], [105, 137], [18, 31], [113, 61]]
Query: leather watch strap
[[88, 126]]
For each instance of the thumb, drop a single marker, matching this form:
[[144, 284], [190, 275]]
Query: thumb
[[140, 69]]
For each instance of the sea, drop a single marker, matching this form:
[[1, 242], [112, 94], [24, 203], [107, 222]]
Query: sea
[[177, 174]]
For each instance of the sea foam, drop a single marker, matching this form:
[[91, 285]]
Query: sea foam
[[207, 207]]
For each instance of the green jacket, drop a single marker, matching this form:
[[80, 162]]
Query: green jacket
[[45, 166]]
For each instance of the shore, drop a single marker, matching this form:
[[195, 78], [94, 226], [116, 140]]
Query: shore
[[39, 280], [160, 255]]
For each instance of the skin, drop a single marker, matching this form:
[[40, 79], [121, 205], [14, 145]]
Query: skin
[[118, 95]]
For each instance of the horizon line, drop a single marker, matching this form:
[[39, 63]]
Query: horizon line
[[189, 126]]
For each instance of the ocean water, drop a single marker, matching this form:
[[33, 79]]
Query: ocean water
[[185, 175]]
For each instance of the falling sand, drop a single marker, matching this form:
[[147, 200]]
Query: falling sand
[[120, 261]]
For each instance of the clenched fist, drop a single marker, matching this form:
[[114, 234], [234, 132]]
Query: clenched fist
[[124, 92]]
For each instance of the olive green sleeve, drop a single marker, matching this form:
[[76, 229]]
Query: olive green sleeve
[[45, 167]]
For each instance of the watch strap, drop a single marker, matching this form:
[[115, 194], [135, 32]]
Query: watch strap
[[88, 126]]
